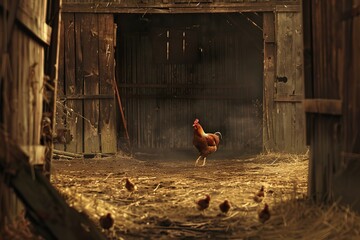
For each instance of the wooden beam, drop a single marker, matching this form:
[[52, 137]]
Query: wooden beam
[[323, 106], [183, 96], [41, 32], [180, 85], [268, 80], [74, 155], [49, 213], [112, 7], [290, 98], [52, 70], [81, 97]]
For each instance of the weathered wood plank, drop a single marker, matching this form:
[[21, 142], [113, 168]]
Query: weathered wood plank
[[60, 115], [74, 155], [323, 106], [90, 45], [290, 98], [127, 7], [289, 117], [73, 80], [269, 80], [268, 27], [24, 15], [299, 113], [47, 209], [52, 77], [107, 124], [81, 97]]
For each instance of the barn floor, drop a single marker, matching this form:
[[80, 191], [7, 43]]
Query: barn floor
[[163, 207]]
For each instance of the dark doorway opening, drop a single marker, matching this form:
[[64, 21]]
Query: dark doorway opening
[[172, 69]]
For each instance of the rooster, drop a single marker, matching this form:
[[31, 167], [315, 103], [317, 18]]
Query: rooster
[[205, 143]]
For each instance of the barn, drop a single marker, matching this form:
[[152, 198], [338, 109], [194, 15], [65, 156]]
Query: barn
[[98, 100], [170, 62]]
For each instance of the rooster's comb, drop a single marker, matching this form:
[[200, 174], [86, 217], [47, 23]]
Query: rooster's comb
[[196, 121]]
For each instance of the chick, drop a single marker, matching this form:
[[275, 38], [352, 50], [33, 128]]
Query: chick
[[224, 206], [203, 203], [258, 197], [130, 186], [106, 221], [264, 214]]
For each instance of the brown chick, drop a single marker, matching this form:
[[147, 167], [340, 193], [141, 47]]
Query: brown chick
[[224, 206], [106, 221], [264, 214], [129, 185], [260, 195], [203, 203]]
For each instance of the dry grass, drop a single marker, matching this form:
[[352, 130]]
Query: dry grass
[[163, 207]]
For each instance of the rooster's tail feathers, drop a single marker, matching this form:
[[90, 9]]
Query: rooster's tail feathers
[[219, 134]]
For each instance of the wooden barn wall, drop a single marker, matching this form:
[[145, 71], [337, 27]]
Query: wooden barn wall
[[284, 119], [85, 90], [220, 83], [289, 92], [332, 58], [21, 87]]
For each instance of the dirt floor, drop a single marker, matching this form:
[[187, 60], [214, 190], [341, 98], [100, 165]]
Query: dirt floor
[[163, 206]]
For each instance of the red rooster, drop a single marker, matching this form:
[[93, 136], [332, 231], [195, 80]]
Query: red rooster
[[206, 143]]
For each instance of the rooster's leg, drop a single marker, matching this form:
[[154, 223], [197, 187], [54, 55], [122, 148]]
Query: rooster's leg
[[197, 160], [204, 162]]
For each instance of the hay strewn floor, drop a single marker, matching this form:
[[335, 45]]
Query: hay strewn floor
[[163, 206]]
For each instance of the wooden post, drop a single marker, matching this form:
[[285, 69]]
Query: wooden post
[[52, 72], [269, 79]]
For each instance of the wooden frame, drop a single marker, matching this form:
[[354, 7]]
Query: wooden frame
[[112, 7]]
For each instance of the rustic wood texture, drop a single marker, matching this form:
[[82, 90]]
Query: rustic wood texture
[[47, 209], [181, 7], [89, 71], [73, 81], [53, 18], [89, 35], [24, 16], [107, 126], [332, 74], [22, 83], [222, 87], [323, 106], [269, 81], [288, 116], [60, 117], [24, 91]]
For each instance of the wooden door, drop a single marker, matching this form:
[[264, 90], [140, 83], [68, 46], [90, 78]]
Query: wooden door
[[86, 106]]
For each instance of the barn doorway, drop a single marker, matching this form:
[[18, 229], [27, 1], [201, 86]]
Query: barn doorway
[[172, 69]]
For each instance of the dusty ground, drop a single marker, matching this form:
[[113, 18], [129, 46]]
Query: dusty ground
[[163, 207]]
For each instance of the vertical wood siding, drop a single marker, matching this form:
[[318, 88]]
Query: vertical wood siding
[[332, 56], [222, 86], [288, 115], [21, 91], [87, 71]]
